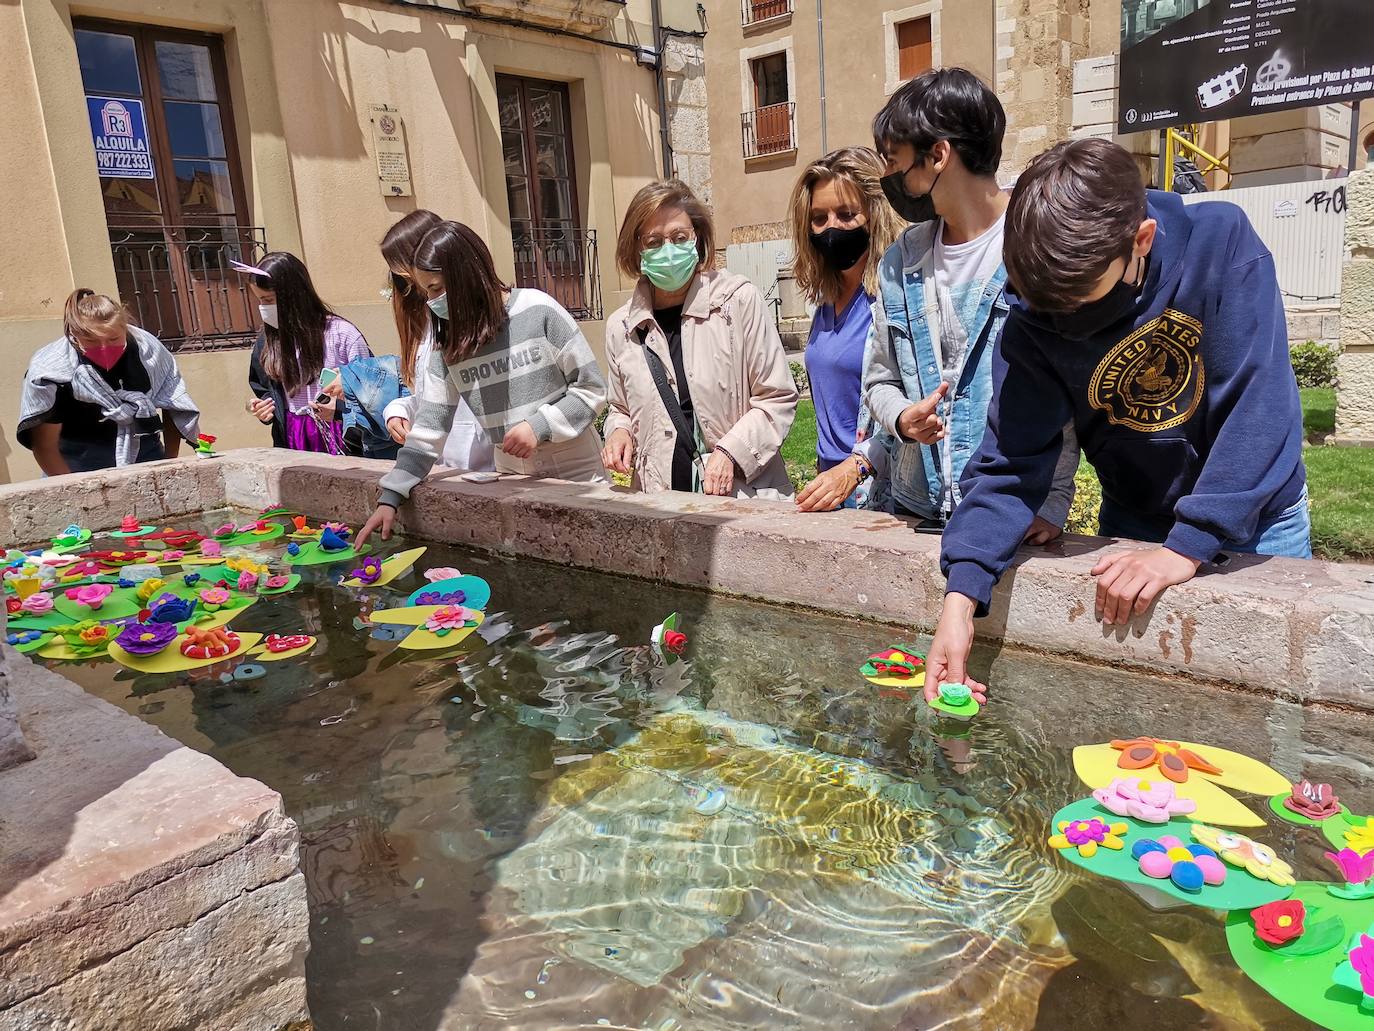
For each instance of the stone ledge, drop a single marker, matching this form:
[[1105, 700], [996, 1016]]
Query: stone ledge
[[120, 847]]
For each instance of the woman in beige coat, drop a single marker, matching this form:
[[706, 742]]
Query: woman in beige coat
[[701, 397]]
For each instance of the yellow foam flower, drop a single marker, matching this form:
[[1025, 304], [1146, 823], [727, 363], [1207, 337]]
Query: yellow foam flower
[[1256, 859], [148, 589], [1360, 836]]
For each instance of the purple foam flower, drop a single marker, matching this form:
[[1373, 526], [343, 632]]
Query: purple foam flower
[[146, 638], [370, 571], [435, 598]]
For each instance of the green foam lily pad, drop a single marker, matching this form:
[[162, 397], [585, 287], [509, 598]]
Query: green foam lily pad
[[964, 709], [311, 555], [292, 582], [1284, 813], [1239, 891], [1301, 980]]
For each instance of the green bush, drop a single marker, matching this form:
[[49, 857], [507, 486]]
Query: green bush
[[1314, 364], [799, 376], [1086, 500]]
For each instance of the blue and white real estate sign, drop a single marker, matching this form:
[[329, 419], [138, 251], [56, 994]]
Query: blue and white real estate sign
[[120, 133]]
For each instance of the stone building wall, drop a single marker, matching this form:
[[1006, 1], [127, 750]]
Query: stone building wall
[[1355, 366], [684, 71], [1037, 43]]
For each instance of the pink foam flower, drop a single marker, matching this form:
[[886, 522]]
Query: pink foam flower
[[92, 595], [449, 617], [247, 580], [40, 603], [215, 597], [441, 573], [276, 583], [1150, 801], [210, 549], [1355, 868]]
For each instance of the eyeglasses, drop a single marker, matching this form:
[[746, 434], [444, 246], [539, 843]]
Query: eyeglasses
[[657, 240]]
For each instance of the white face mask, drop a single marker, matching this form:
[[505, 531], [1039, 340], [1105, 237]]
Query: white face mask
[[269, 314]]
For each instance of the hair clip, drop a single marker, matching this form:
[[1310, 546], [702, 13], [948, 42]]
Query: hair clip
[[251, 270]]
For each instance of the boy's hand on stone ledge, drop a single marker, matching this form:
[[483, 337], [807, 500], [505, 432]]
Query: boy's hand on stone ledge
[[1128, 582]]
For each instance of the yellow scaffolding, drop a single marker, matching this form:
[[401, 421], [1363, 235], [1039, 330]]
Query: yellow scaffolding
[[1184, 140]]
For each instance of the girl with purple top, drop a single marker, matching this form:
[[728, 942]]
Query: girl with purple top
[[300, 339], [841, 225]]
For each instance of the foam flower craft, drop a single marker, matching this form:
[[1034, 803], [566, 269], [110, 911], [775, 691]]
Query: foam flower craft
[[1098, 765], [1088, 835], [435, 598], [293, 549], [331, 541], [285, 643], [276, 583], [247, 580], [92, 595], [150, 589], [146, 638], [1357, 870], [130, 524], [175, 555], [209, 644], [340, 528], [95, 635], [441, 573], [1360, 836], [448, 618], [215, 598], [369, 572], [1145, 800], [211, 549], [244, 564], [1256, 859], [19, 637], [1189, 867], [1314, 801], [894, 663], [190, 579], [675, 642], [1278, 923], [37, 604], [168, 608], [13, 606], [1357, 971], [224, 530], [1173, 759]]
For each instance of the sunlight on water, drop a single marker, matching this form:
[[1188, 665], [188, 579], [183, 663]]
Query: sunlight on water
[[552, 830]]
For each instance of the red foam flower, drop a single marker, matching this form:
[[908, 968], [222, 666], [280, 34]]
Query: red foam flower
[[675, 641], [286, 643], [1279, 923]]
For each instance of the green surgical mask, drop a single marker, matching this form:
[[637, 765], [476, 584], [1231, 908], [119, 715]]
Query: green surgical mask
[[670, 266]]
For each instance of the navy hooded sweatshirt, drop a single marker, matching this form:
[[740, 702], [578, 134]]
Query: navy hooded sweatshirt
[[1187, 407]]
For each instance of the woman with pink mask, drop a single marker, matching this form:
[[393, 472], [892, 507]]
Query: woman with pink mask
[[105, 394]]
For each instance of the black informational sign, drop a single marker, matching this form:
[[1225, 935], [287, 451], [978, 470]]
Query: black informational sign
[[1188, 61]]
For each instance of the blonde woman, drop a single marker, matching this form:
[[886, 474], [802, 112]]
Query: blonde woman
[[701, 397], [841, 225], [104, 394]]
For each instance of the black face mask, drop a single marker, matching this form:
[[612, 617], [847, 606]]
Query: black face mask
[[908, 206], [841, 249], [1096, 316]]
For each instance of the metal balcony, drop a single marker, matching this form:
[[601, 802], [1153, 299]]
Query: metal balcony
[[755, 11], [562, 262], [769, 130], [177, 283]]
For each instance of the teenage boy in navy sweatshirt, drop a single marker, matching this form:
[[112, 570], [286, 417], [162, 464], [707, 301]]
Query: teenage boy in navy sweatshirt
[[1158, 329]]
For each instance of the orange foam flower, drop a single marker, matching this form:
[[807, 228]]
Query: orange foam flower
[[1173, 760]]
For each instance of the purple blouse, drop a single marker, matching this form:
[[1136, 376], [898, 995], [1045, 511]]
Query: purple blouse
[[343, 342]]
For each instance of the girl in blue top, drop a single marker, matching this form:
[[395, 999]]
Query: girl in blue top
[[841, 225]]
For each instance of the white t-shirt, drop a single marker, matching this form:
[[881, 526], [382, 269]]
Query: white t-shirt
[[962, 271], [468, 446]]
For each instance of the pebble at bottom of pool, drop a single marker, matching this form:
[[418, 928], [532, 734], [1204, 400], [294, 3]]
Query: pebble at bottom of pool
[[554, 829]]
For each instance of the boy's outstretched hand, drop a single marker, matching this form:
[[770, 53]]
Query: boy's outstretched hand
[[947, 662], [378, 520], [1128, 582]]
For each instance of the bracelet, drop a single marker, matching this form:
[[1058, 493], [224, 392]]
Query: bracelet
[[865, 470]]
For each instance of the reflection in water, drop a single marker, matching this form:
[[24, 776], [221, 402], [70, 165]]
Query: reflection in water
[[551, 829]]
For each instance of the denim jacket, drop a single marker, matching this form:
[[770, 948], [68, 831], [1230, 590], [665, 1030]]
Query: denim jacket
[[370, 384], [902, 367]]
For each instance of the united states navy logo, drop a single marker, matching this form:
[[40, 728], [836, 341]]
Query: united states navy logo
[[1154, 379]]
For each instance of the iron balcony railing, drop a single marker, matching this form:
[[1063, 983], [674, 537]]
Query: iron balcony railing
[[179, 286], [755, 11], [562, 262], [769, 130]]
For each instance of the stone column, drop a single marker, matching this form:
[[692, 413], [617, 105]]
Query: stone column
[[1037, 44], [13, 748], [1355, 366], [684, 71]]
